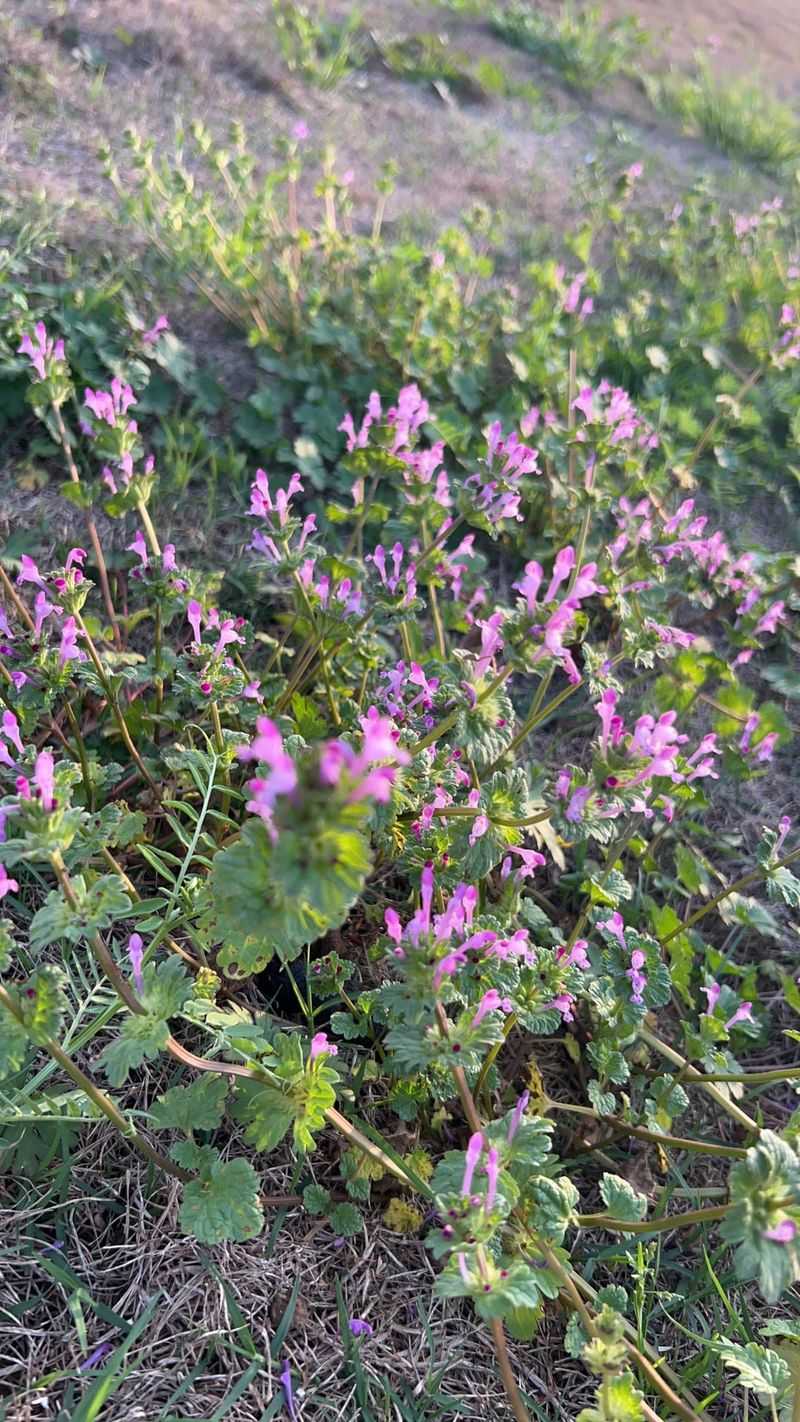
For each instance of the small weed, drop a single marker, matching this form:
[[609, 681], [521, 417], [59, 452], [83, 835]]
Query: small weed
[[737, 116], [314, 46], [584, 48]]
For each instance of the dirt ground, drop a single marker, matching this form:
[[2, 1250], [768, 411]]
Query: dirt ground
[[72, 75]]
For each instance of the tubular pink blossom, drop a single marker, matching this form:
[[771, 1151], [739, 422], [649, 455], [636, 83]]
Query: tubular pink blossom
[[320, 1046], [712, 993], [474, 1150], [44, 779], [743, 1013], [7, 886], [517, 1118], [10, 729], [492, 1171]]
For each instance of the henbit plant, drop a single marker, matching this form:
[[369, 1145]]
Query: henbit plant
[[393, 784], [738, 116], [331, 312], [586, 49]]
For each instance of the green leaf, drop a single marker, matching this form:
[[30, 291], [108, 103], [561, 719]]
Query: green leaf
[[13, 1043], [623, 1202], [141, 1038], [266, 1112], [224, 1204], [759, 1368], [316, 1199], [622, 1402], [254, 917], [346, 1219], [198, 1107]]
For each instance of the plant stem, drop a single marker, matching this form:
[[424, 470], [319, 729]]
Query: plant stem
[[16, 601], [504, 1364], [100, 1099], [762, 872], [660, 1224], [449, 721], [689, 1074], [91, 526], [152, 536], [115, 707], [642, 1134], [81, 750]]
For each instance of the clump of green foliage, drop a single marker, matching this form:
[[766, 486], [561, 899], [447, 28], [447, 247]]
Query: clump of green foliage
[[583, 47], [737, 116]]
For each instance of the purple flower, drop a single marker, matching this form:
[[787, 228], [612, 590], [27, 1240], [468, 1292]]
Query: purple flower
[[493, 1171], [10, 729], [490, 1002], [28, 572], [40, 350], [320, 1046], [300, 131], [743, 1013], [139, 547], [44, 779], [713, 995], [69, 651], [160, 324], [288, 1391], [168, 562], [474, 1149], [97, 1356], [136, 954], [194, 614], [7, 886], [782, 1233], [518, 1116], [42, 609], [360, 1328]]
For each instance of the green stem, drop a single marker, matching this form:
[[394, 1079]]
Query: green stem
[[82, 757], [762, 872], [103, 1102], [689, 1074], [450, 720], [115, 708], [660, 1224], [91, 526], [152, 536], [641, 1133]]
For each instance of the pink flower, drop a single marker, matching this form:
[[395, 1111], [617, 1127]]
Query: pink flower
[[564, 1004], [44, 779], [713, 995], [615, 926], [637, 977], [7, 886], [518, 1116], [160, 324], [743, 1013], [40, 350], [29, 573], [168, 563], [136, 954], [479, 827], [564, 563], [300, 131], [320, 1046], [69, 651], [10, 729], [474, 1150], [577, 804], [605, 710], [75, 557], [194, 614], [782, 1233], [139, 547], [490, 1002]]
